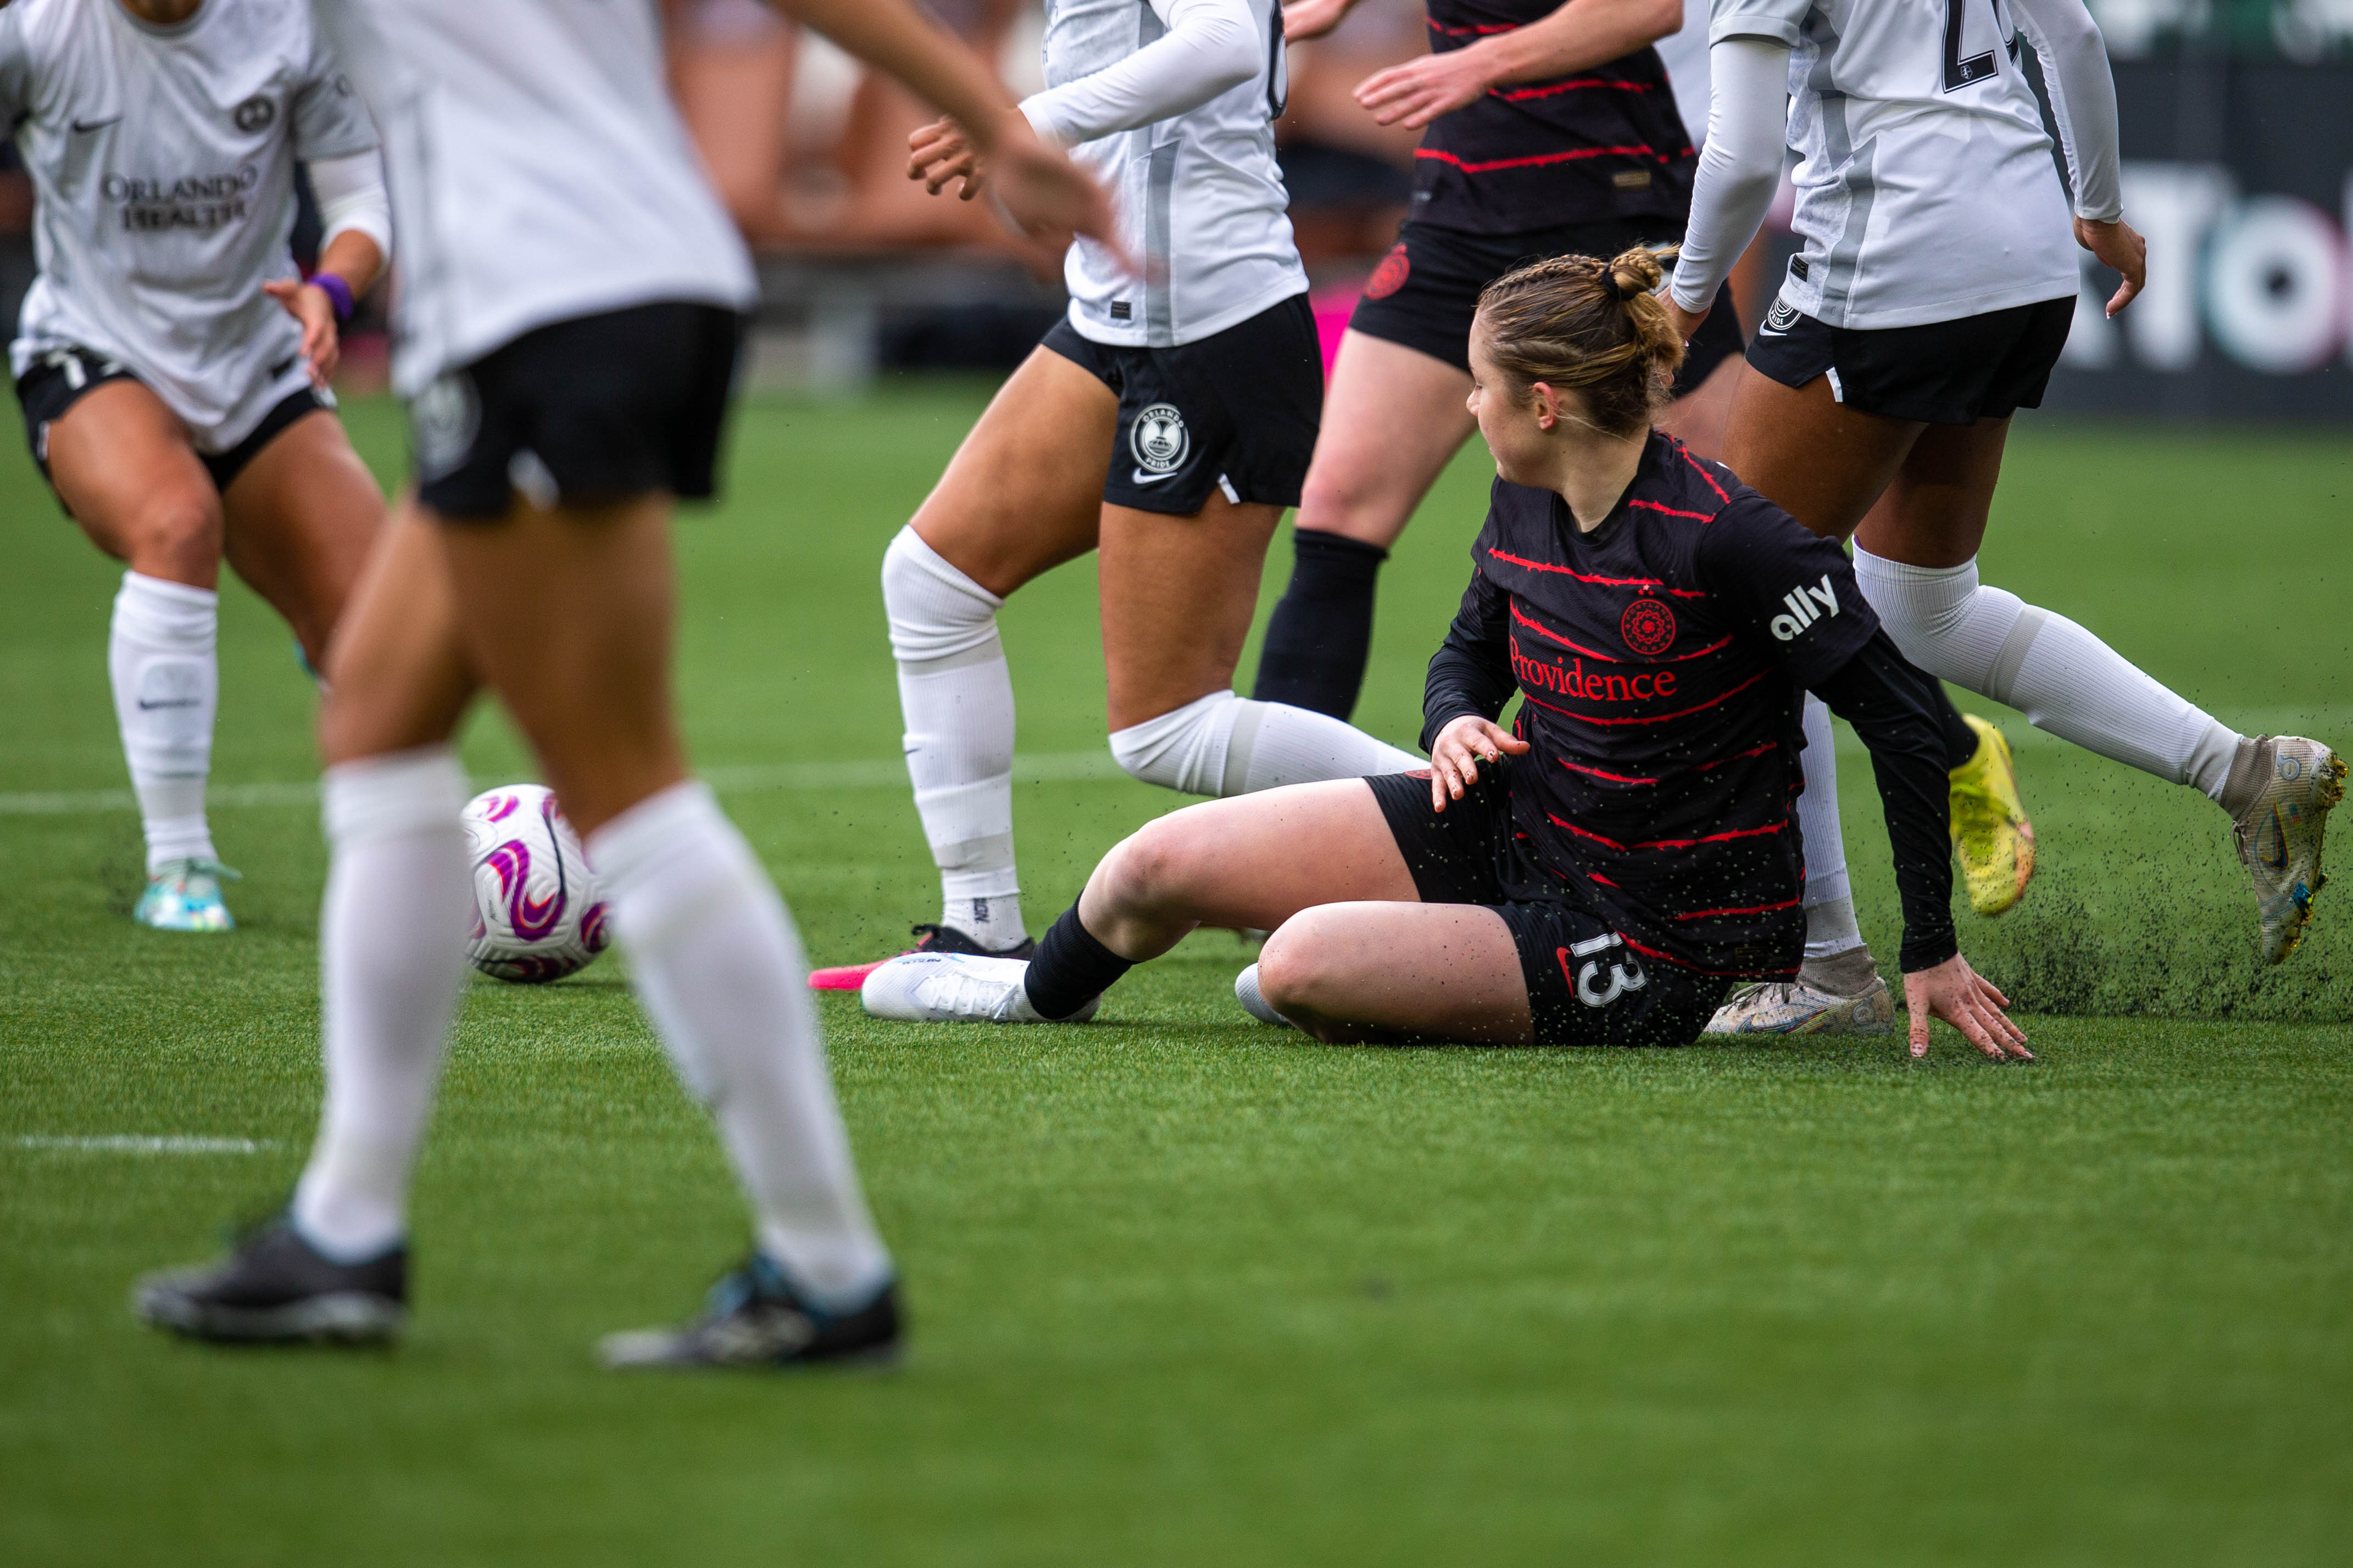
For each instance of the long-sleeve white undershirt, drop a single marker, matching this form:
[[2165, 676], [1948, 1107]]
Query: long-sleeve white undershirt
[[1747, 128], [2083, 98], [351, 196], [1211, 46]]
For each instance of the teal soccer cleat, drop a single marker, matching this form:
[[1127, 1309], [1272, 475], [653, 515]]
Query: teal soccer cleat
[[184, 895]]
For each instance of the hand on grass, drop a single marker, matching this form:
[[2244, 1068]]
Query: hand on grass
[[2120, 246], [1461, 746], [309, 305], [1967, 1001], [1419, 91]]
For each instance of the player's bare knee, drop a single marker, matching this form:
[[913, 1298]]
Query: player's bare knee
[[178, 535], [1154, 867], [1294, 972]]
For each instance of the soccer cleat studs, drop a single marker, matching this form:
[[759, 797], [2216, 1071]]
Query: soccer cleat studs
[[1991, 836], [2279, 838]]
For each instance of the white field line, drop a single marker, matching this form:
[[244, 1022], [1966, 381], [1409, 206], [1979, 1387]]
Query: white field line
[[125, 1144], [1046, 767]]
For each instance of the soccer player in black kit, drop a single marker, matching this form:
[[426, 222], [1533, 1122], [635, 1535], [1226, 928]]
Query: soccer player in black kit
[[1604, 871]]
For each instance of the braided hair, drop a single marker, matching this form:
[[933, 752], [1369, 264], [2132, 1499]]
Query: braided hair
[[1597, 326]]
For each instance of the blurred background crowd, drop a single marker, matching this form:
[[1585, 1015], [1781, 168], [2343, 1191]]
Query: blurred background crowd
[[2237, 120]]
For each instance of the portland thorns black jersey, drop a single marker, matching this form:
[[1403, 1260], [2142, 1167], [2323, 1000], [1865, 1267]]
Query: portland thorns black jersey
[[1664, 658], [1598, 143]]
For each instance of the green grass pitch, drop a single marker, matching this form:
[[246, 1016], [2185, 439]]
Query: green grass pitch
[[1187, 1291]]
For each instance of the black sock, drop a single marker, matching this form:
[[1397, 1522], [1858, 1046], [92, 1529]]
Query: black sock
[[1071, 968], [1960, 741], [1322, 631]]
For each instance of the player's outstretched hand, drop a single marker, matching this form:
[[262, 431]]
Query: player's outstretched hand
[[1039, 190], [2120, 246], [1419, 91], [1463, 745], [309, 305], [1304, 19], [1968, 1002], [941, 152]]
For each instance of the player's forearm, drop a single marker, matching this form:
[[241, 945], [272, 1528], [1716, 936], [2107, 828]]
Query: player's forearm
[[1747, 129], [354, 257], [895, 39], [356, 213], [1212, 46], [1579, 36], [1891, 706], [1471, 671], [2083, 99]]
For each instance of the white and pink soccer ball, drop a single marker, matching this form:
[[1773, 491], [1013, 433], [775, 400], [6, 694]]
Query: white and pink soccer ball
[[538, 915]]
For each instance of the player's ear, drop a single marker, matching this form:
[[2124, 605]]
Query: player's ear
[[1547, 404]]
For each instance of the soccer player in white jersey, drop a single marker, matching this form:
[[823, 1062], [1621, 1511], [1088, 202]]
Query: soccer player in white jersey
[[1166, 424], [1936, 288], [566, 342], [173, 366]]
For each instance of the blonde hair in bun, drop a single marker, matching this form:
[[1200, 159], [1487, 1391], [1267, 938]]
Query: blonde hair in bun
[[1597, 326]]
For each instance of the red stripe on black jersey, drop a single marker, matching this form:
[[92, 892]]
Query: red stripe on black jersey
[[1604, 143], [1671, 773]]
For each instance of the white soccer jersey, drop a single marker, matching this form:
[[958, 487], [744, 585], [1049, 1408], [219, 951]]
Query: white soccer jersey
[[164, 161], [1200, 197], [1925, 186], [1685, 53], [538, 170]]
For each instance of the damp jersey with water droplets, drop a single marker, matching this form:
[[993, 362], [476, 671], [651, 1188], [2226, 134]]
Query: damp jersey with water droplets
[[1662, 660]]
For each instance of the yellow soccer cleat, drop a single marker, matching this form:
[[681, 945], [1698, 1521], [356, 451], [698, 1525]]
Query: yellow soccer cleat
[[1991, 833], [2279, 837]]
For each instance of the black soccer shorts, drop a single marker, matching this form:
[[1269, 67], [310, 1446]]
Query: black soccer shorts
[[1237, 411], [581, 412], [1586, 987], [1426, 290], [60, 380], [1945, 373]]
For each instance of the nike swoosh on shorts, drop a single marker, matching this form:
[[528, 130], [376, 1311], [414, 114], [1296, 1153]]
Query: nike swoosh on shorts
[[1140, 477], [81, 125]]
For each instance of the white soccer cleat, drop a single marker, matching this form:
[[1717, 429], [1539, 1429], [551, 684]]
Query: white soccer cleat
[[2279, 838], [1794, 1007], [1246, 993], [956, 988]]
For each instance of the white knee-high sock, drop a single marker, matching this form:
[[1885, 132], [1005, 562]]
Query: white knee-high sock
[[1829, 902], [161, 655], [955, 695], [391, 954], [1224, 745], [2059, 675], [718, 967]]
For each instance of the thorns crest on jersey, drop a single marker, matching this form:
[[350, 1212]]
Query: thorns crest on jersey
[[1159, 440], [1647, 626], [255, 113]]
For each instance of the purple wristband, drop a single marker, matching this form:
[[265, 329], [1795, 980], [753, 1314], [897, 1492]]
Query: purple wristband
[[338, 293]]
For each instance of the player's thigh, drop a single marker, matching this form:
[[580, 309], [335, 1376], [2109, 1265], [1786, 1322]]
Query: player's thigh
[[1393, 418], [122, 464], [398, 676], [1024, 492], [301, 519], [1821, 462], [1934, 512], [1251, 862], [1346, 971], [1177, 597], [568, 614]]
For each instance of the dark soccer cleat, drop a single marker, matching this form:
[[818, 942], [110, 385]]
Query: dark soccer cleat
[[753, 1317], [928, 938], [276, 1289]]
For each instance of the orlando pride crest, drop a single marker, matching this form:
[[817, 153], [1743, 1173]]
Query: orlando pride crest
[[1660, 704]]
